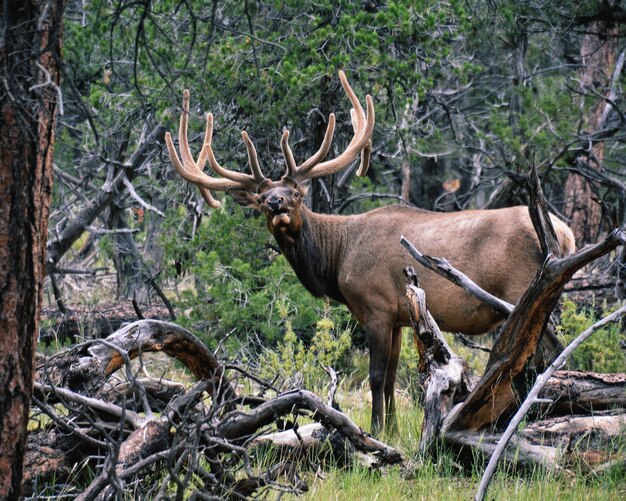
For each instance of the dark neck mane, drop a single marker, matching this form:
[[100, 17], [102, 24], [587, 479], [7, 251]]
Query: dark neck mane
[[314, 253]]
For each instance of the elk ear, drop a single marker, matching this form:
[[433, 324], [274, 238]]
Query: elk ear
[[245, 198], [304, 187]]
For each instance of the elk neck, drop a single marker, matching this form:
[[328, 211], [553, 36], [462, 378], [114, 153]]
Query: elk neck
[[316, 251]]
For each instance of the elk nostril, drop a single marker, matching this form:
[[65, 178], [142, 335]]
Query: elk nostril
[[274, 203]]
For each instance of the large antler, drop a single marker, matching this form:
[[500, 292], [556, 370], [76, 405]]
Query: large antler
[[191, 169], [361, 142]]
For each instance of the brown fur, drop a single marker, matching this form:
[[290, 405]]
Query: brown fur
[[359, 261]]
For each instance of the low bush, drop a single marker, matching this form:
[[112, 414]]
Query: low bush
[[604, 351]]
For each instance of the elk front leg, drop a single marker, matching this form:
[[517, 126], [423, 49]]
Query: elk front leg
[[379, 340]]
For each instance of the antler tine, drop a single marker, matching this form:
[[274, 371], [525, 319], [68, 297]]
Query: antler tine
[[365, 159], [242, 179], [361, 141], [367, 150], [323, 150], [191, 170], [252, 158], [289, 160], [206, 194]]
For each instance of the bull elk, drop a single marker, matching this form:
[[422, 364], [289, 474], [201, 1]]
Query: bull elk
[[358, 260]]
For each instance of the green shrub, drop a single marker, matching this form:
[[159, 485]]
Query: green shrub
[[296, 363], [602, 351], [238, 285]]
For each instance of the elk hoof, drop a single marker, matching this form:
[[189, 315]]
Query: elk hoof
[[280, 218]]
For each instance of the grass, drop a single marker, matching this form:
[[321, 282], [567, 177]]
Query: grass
[[444, 479], [429, 484]]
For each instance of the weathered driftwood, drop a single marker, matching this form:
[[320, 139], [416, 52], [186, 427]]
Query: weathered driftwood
[[446, 378], [117, 421], [491, 404]]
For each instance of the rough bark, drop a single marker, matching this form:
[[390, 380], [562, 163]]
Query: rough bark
[[598, 53], [30, 58], [575, 392]]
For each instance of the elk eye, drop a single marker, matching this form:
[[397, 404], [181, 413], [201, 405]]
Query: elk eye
[[296, 194], [259, 200]]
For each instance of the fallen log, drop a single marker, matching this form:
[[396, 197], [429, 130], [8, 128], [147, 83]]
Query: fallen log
[[106, 421], [571, 392]]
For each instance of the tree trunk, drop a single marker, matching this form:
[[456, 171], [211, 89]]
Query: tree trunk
[[598, 56], [30, 59], [128, 265]]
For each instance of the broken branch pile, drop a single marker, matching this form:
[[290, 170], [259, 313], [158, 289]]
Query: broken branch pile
[[105, 415]]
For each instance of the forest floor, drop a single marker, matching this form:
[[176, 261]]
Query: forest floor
[[445, 478], [429, 479]]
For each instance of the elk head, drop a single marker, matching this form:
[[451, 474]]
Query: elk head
[[281, 200]]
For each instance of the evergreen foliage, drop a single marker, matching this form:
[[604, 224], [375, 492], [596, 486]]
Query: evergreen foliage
[[467, 96]]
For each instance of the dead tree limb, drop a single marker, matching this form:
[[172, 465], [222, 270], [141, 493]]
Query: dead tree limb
[[445, 377], [445, 269], [239, 427], [57, 247], [85, 366], [494, 400], [494, 397], [533, 397]]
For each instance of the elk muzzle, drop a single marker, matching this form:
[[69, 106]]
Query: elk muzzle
[[276, 207]]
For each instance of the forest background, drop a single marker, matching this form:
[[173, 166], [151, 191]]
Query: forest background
[[468, 95]]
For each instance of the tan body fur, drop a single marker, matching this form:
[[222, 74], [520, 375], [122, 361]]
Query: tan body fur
[[359, 261]]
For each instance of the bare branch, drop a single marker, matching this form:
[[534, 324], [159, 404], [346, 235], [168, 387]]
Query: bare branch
[[532, 398]]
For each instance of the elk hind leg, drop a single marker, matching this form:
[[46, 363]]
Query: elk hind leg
[[391, 423], [379, 344]]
